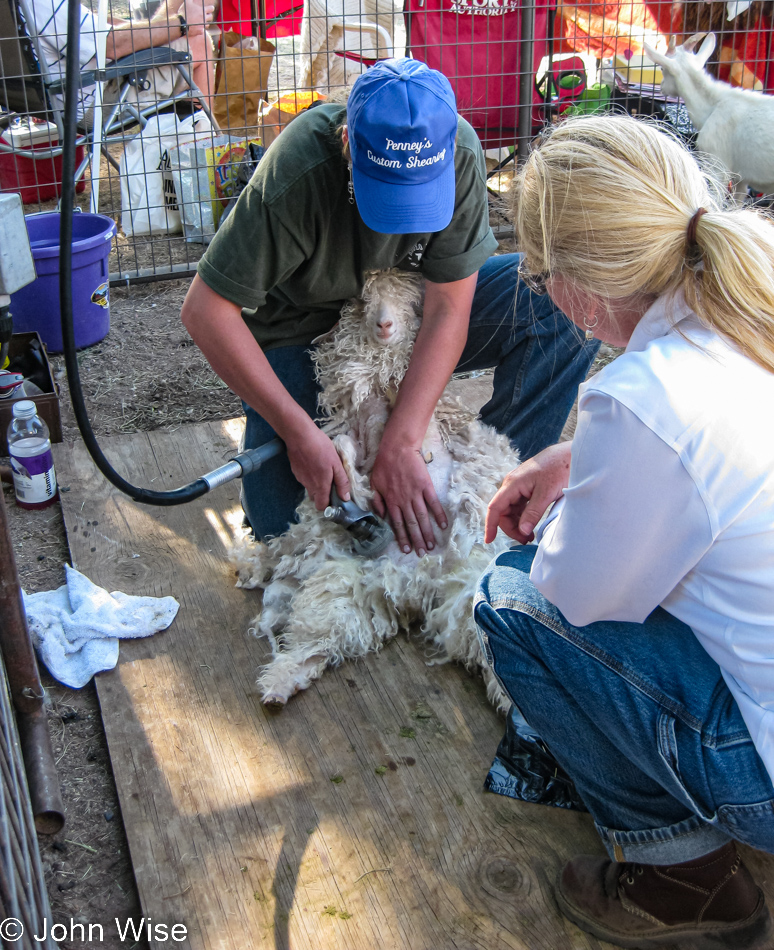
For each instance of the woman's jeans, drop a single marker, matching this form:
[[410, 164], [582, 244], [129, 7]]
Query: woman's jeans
[[639, 716], [540, 359]]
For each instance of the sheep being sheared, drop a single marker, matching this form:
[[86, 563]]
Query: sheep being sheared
[[321, 603]]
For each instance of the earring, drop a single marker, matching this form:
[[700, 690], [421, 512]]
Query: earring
[[590, 327], [351, 186]]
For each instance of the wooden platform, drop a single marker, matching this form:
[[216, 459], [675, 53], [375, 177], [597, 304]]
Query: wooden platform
[[353, 819]]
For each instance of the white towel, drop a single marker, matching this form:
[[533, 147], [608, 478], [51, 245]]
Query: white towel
[[75, 629]]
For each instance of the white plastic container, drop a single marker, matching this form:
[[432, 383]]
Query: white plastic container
[[14, 386], [32, 463], [29, 133]]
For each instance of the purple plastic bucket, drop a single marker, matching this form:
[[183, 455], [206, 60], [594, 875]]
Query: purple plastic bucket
[[36, 306]]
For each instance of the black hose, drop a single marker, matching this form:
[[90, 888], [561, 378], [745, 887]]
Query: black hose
[[71, 95]]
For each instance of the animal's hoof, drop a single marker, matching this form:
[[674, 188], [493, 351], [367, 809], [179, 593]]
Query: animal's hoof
[[275, 701]]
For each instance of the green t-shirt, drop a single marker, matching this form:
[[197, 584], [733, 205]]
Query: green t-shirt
[[294, 248]]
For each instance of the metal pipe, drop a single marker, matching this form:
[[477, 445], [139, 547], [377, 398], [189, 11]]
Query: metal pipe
[[526, 80], [243, 464], [258, 12], [42, 777], [147, 275], [27, 693]]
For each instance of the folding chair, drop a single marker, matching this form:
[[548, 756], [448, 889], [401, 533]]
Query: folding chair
[[28, 88], [350, 49], [341, 38]]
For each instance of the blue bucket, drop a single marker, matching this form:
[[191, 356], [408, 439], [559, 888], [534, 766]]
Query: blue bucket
[[36, 306]]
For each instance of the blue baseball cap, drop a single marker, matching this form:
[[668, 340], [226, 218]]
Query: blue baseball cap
[[402, 124]]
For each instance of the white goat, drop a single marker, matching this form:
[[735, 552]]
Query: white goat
[[735, 125], [321, 603]]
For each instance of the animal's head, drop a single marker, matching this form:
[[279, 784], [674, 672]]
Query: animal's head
[[368, 352], [681, 62], [392, 307]]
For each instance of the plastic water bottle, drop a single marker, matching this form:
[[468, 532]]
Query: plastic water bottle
[[29, 446]]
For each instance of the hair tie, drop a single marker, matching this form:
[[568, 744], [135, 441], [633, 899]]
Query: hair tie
[[690, 234]]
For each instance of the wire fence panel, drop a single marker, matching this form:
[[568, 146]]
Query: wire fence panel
[[167, 173], [25, 914]]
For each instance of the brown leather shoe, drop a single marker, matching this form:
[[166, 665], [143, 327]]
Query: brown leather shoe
[[707, 904]]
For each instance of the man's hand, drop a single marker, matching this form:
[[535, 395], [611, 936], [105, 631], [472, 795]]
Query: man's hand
[[197, 13], [217, 328], [527, 492], [404, 490], [316, 464], [403, 487]]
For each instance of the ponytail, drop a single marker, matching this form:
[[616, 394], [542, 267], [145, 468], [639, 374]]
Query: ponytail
[[731, 289], [624, 210]]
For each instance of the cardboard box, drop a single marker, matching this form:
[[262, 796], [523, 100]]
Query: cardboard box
[[638, 69], [35, 179], [47, 404]]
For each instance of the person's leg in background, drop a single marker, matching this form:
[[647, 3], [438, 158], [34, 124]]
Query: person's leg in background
[[271, 495], [641, 719], [167, 81], [199, 44], [539, 357], [203, 65]]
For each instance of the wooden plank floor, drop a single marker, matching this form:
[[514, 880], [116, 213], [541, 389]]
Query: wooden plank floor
[[353, 819]]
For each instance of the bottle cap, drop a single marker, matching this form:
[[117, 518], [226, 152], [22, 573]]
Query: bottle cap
[[25, 409]]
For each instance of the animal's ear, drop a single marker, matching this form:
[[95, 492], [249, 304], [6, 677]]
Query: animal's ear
[[693, 41], [706, 50], [660, 59]]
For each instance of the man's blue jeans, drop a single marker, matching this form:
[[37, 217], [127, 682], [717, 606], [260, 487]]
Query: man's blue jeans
[[540, 359], [638, 715]]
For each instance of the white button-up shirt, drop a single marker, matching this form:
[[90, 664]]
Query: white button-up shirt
[[671, 502], [51, 26]]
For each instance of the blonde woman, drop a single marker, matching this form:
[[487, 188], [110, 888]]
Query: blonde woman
[[637, 634]]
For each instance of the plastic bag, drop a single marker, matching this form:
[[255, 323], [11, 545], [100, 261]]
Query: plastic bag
[[204, 174], [524, 768], [144, 208]]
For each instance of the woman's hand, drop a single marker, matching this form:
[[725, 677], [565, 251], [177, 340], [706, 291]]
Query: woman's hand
[[316, 464], [404, 490], [527, 492]]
